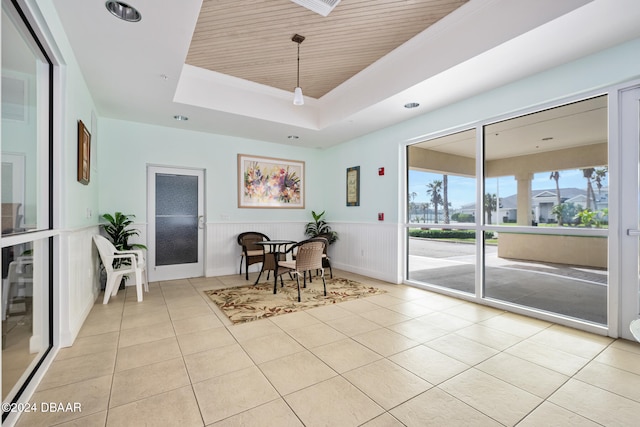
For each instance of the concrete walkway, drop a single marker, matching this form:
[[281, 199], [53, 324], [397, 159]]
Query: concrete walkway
[[567, 290]]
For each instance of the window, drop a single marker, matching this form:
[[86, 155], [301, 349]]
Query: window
[[26, 204], [542, 219], [441, 210]]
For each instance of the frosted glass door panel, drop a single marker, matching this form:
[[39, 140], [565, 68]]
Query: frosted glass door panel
[[176, 219], [176, 240]]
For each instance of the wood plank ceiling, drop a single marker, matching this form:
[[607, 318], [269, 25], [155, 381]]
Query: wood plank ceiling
[[251, 39]]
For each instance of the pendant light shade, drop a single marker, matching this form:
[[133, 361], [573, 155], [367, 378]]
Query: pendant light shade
[[298, 99], [297, 96]]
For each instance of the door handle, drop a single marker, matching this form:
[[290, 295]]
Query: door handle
[[631, 232], [201, 221]]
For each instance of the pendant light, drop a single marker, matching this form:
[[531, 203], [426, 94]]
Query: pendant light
[[297, 93]]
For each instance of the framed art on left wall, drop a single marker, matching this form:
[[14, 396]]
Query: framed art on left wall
[[84, 154]]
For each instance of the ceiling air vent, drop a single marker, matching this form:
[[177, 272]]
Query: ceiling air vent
[[323, 7]]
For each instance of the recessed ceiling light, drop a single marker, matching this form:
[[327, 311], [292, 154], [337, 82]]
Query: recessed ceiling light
[[123, 11], [411, 105], [181, 118], [293, 137]]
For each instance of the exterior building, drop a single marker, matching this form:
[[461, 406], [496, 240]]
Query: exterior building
[[542, 203]]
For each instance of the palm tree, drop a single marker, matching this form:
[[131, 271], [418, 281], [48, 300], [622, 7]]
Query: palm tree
[[555, 175], [433, 191], [412, 205], [445, 198], [490, 204], [588, 174], [557, 209], [425, 209], [600, 175]]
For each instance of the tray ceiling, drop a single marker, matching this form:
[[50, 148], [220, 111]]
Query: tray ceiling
[[252, 39], [451, 51]]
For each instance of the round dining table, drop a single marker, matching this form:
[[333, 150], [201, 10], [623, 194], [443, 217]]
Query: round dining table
[[275, 247]]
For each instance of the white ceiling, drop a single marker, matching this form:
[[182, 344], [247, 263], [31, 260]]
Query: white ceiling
[[482, 45], [573, 125]]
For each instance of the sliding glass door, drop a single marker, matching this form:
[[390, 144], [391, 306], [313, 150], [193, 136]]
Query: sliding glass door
[[516, 211], [546, 181], [441, 212]]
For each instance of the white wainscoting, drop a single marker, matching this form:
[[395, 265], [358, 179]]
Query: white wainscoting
[[79, 283], [370, 249], [222, 251]]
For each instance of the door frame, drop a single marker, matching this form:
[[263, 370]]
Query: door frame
[[181, 271], [628, 136]]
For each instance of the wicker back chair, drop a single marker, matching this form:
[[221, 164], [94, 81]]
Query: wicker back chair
[[308, 258], [326, 261], [252, 253]]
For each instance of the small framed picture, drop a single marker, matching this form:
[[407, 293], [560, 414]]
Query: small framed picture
[[353, 186], [84, 154]]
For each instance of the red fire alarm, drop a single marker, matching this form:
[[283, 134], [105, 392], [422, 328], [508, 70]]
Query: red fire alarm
[[381, 216], [380, 171]]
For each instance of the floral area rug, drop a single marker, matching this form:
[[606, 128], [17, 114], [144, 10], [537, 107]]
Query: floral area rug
[[246, 303]]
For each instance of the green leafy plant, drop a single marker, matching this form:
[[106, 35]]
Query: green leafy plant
[[588, 218], [319, 227], [118, 231], [560, 211]]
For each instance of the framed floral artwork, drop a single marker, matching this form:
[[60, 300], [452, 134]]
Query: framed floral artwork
[[265, 182]]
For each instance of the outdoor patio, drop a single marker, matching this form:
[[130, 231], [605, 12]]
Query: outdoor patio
[[576, 292]]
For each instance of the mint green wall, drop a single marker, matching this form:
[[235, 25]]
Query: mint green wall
[[378, 194], [75, 103], [384, 148], [126, 148], [121, 150], [78, 198]]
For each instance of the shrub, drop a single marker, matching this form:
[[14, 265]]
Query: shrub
[[462, 217], [447, 234]]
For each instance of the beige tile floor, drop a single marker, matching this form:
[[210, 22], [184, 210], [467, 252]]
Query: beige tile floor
[[408, 357]]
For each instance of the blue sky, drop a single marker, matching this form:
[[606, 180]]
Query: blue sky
[[462, 189]]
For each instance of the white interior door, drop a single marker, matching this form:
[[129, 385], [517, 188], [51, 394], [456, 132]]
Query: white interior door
[[630, 213], [176, 223]]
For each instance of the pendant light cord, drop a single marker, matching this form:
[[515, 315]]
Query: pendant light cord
[[298, 82]]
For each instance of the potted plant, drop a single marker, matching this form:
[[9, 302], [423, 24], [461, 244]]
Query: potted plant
[[118, 231], [319, 227]]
